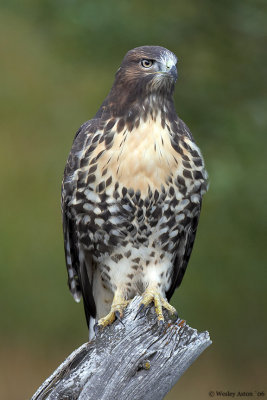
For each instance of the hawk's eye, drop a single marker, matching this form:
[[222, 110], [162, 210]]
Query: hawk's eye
[[147, 63]]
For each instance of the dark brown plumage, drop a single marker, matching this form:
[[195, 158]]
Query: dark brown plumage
[[132, 191]]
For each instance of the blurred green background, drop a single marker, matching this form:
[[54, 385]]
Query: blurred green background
[[58, 60]]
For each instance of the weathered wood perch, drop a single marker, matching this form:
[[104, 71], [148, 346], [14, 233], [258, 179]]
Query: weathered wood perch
[[131, 360]]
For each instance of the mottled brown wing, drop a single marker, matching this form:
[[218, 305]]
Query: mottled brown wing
[[79, 273], [180, 265]]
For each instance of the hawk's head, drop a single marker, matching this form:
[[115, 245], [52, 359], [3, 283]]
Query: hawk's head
[[146, 70], [145, 79]]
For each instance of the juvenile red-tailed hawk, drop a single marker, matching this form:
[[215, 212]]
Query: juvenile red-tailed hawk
[[131, 193]]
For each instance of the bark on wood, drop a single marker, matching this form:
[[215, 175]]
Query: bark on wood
[[131, 360]]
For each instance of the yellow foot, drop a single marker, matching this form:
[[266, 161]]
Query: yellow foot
[[116, 311], [152, 295]]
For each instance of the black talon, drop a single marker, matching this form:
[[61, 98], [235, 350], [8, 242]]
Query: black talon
[[118, 316], [141, 307], [175, 316], [96, 328], [161, 326]]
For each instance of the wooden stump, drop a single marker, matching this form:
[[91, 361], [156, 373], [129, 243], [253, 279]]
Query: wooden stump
[[131, 360]]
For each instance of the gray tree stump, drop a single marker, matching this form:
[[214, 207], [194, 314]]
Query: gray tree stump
[[131, 360]]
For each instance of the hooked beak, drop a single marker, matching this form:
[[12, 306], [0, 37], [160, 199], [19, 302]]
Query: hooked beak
[[173, 73]]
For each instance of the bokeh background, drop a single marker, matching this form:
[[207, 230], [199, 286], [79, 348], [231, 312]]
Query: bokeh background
[[58, 60]]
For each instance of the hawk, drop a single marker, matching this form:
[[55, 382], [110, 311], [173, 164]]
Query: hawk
[[131, 193]]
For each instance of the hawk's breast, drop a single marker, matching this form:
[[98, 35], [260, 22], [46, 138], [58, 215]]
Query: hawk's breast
[[140, 158], [137, 189]]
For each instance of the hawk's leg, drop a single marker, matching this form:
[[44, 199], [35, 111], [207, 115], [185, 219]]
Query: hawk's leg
[[118, 305], [152, 294]]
